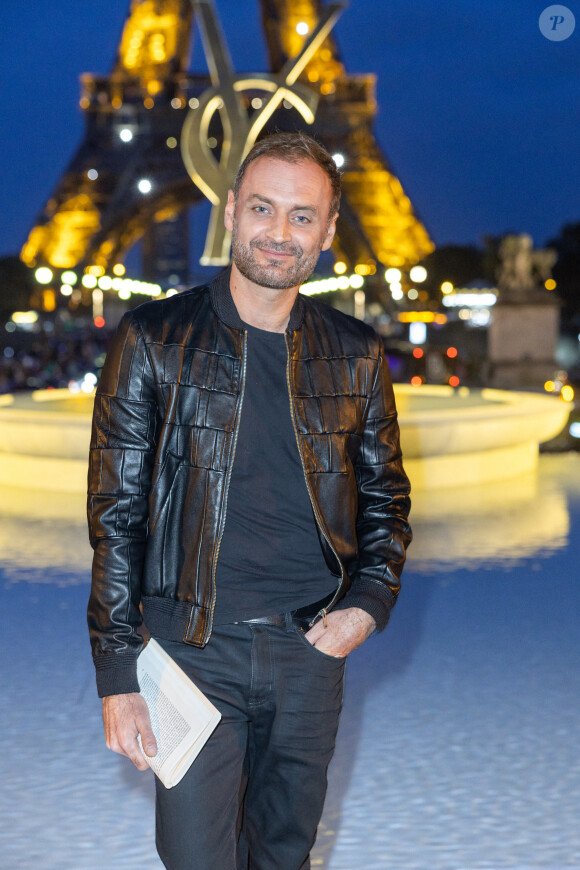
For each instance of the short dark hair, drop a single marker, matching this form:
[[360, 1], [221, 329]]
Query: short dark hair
[[292, 148]]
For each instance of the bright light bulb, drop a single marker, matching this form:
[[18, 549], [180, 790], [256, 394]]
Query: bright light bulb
[[418, 274], [43, 275], [144, 185]]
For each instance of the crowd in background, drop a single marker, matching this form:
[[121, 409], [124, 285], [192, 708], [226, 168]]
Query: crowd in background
[[36, 361]]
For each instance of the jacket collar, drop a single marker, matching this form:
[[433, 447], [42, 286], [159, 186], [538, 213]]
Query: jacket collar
[[224, 307]]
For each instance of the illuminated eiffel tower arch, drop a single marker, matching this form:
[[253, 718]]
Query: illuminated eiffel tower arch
[[128, 179]]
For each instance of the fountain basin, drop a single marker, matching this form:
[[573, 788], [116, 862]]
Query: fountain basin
[[449, 437], [462, 437]]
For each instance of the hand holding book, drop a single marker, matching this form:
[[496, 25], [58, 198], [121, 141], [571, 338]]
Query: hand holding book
[[182, 718], [125, 718], [165, 726]]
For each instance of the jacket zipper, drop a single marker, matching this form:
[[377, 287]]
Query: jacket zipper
[[227, 486], [322, 613]]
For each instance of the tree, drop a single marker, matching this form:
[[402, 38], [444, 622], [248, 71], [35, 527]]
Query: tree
[[17, 285], [567, 274]]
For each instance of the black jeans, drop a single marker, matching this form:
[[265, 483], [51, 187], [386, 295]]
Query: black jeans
[[253, 798]]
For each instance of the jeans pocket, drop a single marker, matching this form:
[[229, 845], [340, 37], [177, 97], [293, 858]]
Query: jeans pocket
[[323, 655]]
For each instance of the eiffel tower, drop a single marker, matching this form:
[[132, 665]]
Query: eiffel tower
[[128, 181]]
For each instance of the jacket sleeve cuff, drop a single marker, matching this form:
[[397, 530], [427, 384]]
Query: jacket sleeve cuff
[[116, 677], [369, 596]]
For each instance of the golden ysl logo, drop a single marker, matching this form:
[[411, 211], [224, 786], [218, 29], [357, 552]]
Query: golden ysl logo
[[215, 177]]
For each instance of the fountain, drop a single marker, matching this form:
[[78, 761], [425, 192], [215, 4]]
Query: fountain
[[450, 437]]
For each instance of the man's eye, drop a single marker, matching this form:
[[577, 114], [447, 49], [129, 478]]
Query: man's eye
[[261, 209], [302, 219]]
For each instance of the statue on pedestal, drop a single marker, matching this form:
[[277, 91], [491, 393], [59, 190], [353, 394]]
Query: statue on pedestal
[[522, 271]]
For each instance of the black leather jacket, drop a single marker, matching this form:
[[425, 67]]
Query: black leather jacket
[[165, 425]]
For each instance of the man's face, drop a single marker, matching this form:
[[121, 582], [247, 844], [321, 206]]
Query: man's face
[[280, 222]]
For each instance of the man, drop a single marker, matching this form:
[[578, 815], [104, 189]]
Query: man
[[247, 501]]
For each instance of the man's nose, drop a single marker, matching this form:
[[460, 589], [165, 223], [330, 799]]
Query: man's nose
[[279, 229]]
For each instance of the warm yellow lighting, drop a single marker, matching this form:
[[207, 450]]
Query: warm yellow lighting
[[413, 294], [118, 269], [116, 102], [393, 275], [24, 317], [148, 102], [256, 103], [43, 275], [340, 267], [550, 284], [89, 281], [418, 274], [62, 242], [567, 393], [447, 287], [194, 103], [176, 103], [363, 269], [97, 271], [329, 285], [549, 386], [154, 86], [421, 317], [48, 300], [69, 277], [84, 102], [302, 28], [105, 283]]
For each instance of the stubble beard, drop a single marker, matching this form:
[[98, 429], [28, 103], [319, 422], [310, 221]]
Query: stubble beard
[[276, 278]]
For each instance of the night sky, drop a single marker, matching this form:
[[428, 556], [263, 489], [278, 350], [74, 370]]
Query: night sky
[[478, 111]]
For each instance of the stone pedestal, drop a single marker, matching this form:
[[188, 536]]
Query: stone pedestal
[[522, 341]]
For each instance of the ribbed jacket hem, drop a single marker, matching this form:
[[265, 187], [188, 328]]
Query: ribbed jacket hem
[[170, 619]]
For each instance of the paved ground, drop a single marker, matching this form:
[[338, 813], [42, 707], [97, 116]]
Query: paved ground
[[460, 740]]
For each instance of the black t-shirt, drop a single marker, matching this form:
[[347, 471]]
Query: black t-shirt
[[270, 559]]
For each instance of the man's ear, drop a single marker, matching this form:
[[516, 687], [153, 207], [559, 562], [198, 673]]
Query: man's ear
[[330, 231], [229, 211]]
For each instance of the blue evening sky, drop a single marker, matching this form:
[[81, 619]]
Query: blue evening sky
[[478, 111]]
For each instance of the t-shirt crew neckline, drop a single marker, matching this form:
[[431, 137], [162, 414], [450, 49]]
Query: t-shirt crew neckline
[[263, 333]]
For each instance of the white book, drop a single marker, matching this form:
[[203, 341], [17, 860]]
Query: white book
[[182, 717]]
